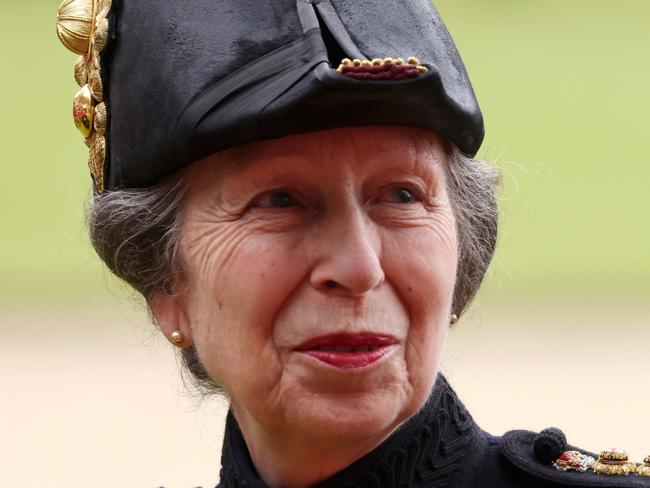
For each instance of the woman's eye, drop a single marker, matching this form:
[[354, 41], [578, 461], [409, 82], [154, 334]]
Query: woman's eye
[[400, 195], [277, 199]]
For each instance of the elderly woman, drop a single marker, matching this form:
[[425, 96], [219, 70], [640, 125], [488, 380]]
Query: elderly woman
[[304, 219]]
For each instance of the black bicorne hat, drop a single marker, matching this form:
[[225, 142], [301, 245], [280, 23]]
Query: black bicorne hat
[[169, 82]]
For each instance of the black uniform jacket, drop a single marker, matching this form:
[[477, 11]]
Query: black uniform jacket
[[441, 446]]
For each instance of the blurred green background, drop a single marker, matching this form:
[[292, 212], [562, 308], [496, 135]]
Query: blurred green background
[[564, 89]]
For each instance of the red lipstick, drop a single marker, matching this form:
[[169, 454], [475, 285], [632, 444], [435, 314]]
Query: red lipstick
[[348, 351]]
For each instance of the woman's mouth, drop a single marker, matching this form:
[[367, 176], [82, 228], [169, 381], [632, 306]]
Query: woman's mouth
[[348, 351]]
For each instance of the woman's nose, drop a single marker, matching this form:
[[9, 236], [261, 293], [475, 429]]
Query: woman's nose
[[347, 259]]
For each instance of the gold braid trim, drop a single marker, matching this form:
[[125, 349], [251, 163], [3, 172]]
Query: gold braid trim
[[82, 27]]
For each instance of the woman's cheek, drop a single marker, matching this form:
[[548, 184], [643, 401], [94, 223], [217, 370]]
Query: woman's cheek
[[246, 281], [242, 298], [423, 256], [421, 262]]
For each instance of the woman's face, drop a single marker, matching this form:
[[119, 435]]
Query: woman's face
[[320, 270]]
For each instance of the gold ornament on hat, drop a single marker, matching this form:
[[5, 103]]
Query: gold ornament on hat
[[381, 69], [74, 24], [95, 83], [100, 35], [96, 159], [82, 26], [83, 111], [104, 7], [80, 71], [644, 469], [100, 119], [614, 462]]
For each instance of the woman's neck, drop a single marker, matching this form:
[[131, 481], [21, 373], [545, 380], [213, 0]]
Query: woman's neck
[[441, 444], [286, 459]]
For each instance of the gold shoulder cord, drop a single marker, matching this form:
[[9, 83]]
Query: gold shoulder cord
[[82, 27]]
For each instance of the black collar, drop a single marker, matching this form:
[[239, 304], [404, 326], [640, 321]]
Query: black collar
[[440, 446]]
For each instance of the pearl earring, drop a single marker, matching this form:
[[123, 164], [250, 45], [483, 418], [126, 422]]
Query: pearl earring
[[177, 337], [453, 318]]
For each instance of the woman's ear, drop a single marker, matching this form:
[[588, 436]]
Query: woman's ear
[[170, 315]]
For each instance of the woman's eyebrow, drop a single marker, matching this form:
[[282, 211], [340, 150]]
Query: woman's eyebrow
[[415, 160]]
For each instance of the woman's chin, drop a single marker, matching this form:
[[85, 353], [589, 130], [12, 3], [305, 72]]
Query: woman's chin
[[351, 415], [328, 402]]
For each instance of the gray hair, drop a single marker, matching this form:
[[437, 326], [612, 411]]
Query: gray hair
[[137, 233]]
